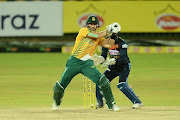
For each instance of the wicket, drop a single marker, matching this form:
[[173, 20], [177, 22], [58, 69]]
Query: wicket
[[89, 89]]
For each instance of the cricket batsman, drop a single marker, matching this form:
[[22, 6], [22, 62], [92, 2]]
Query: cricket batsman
[[80, 62], [119, 65]]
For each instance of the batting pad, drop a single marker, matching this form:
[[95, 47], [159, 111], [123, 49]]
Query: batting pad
[[58, 93], [123, 86], [99, 96], [105, 87]]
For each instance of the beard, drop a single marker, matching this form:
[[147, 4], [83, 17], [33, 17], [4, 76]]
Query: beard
[[93, 28]]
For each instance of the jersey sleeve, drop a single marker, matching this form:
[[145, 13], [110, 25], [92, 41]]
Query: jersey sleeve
[[123, 54], [83, 32], [104, 52]]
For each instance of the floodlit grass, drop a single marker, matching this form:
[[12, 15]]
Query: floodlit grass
[[27, 79]]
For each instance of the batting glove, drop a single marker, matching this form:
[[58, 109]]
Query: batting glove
[[109, 28], [97, 59]]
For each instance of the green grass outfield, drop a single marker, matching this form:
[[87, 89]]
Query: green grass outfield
[[27, 79]]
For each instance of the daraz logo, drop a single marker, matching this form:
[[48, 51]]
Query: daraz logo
[[168, 22]]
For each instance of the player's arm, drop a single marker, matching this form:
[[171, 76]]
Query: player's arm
[[123, 54], [96, 35], [123, 59], [104, 52], [108, 43]]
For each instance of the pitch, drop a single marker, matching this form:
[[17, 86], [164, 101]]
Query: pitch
[[78, 113]]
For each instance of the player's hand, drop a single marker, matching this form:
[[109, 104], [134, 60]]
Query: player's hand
[[108, 62], [105, 64], [108, 33], [102, 33], [115, 27], [97, 59], [112, 61], [94, 56], [109, 28]]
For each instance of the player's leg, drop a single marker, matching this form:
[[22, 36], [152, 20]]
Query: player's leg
[[70, 71], [58, 95], [128, 91], [99, 98], [110, 75], [105, 87], [92, 73], [123, 86]]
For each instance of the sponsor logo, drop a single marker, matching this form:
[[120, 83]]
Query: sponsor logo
[[82, 20], [67, 49], [147, 49], [135, 49], [19, 21], [168, 22], [170, 50], [159, 49], [114, 52]]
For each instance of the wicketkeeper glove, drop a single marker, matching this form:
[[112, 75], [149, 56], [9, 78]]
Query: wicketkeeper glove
[[116, 27], [108, 62], [97, 59], [113, 28]]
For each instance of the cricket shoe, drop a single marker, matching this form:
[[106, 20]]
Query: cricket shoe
[[115, 108], [99, 105], [54, 106], [137, 105]]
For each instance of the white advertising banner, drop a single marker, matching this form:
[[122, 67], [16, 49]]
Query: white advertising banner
[[35, 18]]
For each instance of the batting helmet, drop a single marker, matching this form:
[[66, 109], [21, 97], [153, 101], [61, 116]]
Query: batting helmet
[[92, 19]]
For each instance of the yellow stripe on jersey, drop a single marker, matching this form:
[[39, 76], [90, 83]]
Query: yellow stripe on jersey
[[84, 45]]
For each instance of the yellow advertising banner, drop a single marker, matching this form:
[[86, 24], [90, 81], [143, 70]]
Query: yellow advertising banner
[[142, 49], [172, 49], [133, 16]]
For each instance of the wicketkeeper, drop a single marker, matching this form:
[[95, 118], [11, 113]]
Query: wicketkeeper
[[118, 65], [80, 62]]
